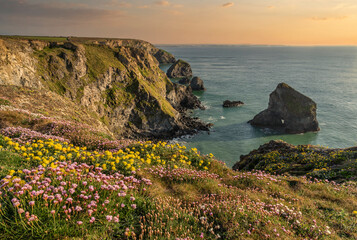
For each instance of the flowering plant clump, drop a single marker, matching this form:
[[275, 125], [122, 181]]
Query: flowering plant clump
[[146, 190], [46, 152], [181, 174], [23, 135], [79, 134], [67, 196]]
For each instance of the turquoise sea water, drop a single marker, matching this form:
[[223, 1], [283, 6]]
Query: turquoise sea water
[[328, 75]]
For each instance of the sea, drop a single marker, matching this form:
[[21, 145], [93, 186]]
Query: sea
[[328, 75]]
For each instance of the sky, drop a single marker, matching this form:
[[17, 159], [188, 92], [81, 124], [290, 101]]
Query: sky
[[269, 22]]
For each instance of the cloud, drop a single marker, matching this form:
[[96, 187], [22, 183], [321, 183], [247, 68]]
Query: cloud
[[271, 7], [162, 3], [22, 9], [143, 6], [228, 5], [328, 18], [118, 4]]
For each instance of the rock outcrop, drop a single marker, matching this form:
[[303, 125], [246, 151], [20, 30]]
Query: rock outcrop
[[185, 80], [289, 111], [162, 56], [122, 85], [228, 104], [179, 69], [197, 84], [279, 157]]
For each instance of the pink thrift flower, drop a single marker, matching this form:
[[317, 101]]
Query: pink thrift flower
[[109, 218], [133, 206], [79, 222], [20, 210], [53, 212], [32, 203]]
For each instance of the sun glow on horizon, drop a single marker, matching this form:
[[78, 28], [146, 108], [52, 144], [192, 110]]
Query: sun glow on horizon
[[266, 22]]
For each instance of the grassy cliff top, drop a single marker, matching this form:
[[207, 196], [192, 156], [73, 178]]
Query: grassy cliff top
[[66, 38], [148, 190]]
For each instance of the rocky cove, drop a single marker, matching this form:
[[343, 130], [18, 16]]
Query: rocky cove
[[65, 104]]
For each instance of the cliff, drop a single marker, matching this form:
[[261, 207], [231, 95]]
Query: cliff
[[117, 80]]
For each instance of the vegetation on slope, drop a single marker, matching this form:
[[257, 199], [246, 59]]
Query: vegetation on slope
[[278, 157], [54, 189]]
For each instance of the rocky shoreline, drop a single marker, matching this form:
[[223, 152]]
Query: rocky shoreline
[[117, 80]]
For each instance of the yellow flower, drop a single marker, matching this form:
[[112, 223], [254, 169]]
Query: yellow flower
[[175, 166], [354, 213], [11, 172]]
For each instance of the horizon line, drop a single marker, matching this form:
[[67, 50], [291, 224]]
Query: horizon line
[[193, 44]]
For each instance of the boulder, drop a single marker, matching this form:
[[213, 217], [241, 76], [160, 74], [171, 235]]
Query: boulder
[[164, 57], [228, 103], [179, 69], [197, 84], [289, 111], [185, 80]]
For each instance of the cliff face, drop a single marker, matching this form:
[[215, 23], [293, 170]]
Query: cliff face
[[117, 79], [160, 55]]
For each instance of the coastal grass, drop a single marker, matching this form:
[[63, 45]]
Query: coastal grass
[[164, 191], [39, 38], [316, 162]]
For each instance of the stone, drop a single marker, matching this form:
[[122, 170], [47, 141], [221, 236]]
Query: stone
[[185, 80], [288, 110], [179, 69], [228, 103], [197, 84], [164, 57]]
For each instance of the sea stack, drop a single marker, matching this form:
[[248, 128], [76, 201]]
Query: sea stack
[[179, 69], [197, 84], [289, 111]]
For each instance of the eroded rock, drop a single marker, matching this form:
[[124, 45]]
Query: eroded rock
[[289, 111], [179, 69], [197, 84], [228, 103]]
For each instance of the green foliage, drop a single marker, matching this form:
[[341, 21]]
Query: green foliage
[[5, 102], [40, 38], [306, 160], [100, 59]]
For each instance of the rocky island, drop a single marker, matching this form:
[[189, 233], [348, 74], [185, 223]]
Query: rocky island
[[229, 104], [289, 111]]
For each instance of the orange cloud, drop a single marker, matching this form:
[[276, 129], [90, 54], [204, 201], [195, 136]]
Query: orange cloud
[[227, 5], [162, 3], [328, 18]]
